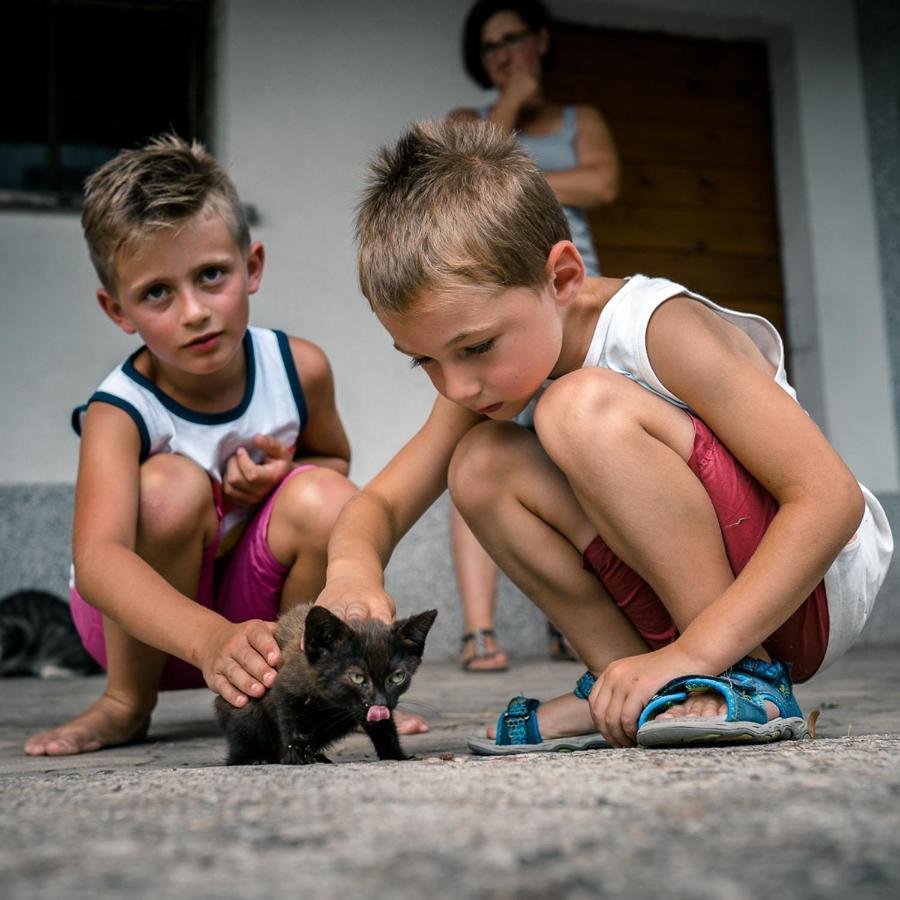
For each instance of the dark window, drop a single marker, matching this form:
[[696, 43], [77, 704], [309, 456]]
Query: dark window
[[85, 78]]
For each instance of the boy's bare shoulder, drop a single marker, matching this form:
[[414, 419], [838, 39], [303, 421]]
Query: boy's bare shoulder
[[312, 364], [684, 321], [112, 426], [690, 347]]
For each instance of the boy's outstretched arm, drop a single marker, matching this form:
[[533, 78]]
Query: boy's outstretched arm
[[237, 660], [372, 523], [731, 387]]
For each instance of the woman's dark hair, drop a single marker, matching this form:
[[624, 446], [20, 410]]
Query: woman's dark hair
[[532, 13]]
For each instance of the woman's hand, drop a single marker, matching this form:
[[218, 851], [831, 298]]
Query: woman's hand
[[521, 89], [239, 660]]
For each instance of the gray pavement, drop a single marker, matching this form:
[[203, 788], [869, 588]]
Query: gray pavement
[[164, 818]]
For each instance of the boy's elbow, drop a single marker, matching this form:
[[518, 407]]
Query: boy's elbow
[[848, 500], [856, 504], [85, 580]]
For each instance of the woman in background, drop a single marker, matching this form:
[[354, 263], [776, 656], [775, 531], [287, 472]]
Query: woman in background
[[506, 46]]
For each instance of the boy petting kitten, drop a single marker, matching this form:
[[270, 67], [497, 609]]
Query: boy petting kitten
[[672, 509], [213, 462]]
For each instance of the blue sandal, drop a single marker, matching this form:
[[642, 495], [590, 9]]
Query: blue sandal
[[518, 732], [745, 686]]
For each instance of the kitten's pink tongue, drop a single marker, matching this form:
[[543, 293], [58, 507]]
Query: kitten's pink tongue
[[377, 713]]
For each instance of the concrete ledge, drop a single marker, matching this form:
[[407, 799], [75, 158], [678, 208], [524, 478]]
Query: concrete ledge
[[35, 524]]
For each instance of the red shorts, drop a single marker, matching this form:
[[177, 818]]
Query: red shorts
[[744, 510]]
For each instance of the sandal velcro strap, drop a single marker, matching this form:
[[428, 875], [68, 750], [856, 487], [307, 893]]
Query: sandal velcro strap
[[584, 686], [745, 688], [518, 723], [772, 672]]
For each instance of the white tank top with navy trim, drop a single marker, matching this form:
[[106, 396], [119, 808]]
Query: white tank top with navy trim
[[273, 404]]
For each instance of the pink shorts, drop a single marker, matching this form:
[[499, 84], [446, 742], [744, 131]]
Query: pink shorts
[[244, 584], [744, 510]]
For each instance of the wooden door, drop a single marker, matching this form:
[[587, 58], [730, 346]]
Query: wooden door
[[691, 120]]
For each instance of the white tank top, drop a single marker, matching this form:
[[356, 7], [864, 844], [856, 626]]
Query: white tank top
[[273, 403], [620, 337]]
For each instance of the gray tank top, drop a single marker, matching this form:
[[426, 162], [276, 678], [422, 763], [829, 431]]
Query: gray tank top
[[553, 153]]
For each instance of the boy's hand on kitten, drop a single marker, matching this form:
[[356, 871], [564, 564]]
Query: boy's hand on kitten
[[248, 483], [239, 660], [349, 600], [627, 685]]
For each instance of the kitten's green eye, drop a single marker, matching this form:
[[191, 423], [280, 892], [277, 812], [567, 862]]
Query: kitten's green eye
[[398, 677], [357, 678]]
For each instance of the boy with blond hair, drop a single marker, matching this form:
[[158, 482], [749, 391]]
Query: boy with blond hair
[[213, 462], [672, 509]]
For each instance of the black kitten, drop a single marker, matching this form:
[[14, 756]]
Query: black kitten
[[344, 676], [38, 637]]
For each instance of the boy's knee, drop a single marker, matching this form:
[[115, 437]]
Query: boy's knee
[[587, 398], [311, 501], [176, 498], [481, 459]]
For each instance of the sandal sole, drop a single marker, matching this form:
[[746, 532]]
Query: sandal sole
[[701, 732], [484, 746]]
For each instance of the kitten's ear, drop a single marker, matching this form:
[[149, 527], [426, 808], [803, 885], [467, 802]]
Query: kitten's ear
[[323, 631], [413, 631]]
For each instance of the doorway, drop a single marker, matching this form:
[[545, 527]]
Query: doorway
[[691, 119]]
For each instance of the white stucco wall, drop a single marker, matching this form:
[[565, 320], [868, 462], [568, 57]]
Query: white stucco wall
[[305, 93]]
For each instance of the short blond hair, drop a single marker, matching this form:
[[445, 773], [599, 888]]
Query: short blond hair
[[454, 203], [160, 185]]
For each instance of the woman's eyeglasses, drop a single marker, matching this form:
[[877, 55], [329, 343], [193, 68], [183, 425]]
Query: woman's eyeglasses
[[491, 48]]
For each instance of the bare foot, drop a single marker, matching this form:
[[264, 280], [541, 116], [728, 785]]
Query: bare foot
[[563, 716], [409, 723], [107, 723], [704, 704]]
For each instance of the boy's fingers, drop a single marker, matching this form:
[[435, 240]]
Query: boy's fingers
[[246, 466], [631, 711], [243, 680], [262, 639], [222, 686], [614, 722], [234, 477], [271, 446], [359, 609]]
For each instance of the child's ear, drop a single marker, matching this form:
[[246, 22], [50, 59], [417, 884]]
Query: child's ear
[[323, 631], [565, 270], [413, 631], [256, 259], [113, 309]]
